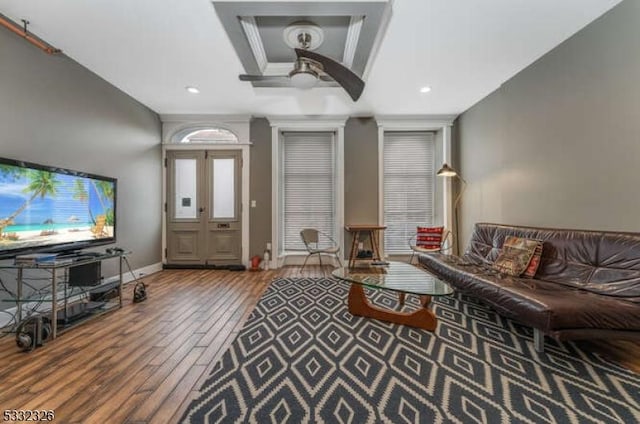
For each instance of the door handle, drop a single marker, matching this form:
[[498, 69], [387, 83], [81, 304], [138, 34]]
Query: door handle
[[201, 209]]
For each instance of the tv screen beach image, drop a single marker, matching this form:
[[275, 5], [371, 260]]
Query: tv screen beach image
[[40, 208]]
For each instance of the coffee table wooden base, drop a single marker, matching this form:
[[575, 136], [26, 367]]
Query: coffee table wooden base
[[421, 318]]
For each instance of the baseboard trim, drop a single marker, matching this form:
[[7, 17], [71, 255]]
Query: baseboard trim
[[138, 272], [229, 267], [298, 259]]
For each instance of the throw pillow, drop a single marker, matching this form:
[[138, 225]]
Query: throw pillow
[[515, 255], [532, 268], [429, 237]]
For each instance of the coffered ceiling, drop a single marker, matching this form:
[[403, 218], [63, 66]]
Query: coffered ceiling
[[262, 33], [153, 49]]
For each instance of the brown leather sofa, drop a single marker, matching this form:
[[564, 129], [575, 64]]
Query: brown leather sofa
[[587, 284]]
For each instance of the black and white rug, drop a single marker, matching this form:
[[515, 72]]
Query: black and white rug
[[302, 357]]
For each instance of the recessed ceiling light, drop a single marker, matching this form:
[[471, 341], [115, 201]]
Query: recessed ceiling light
[[192, 90], [425, 89]]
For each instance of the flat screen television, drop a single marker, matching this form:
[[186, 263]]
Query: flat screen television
[[49, 209]]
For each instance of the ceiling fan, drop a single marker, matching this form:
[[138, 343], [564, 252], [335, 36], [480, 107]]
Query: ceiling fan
[[309, 66]]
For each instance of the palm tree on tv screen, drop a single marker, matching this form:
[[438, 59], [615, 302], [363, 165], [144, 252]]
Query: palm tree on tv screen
[[104, 189], [13, 172], [80, 193], [40, 184], [79, 190]]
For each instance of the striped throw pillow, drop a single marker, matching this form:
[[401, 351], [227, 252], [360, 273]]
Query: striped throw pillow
[[429, 237]]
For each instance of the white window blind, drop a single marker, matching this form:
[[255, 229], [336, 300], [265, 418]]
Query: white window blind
[[308, 186], [409, 183]]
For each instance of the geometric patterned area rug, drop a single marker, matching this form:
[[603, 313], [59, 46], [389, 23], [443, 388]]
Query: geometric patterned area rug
[[302, 357]]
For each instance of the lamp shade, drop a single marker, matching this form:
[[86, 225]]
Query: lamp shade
[[446, 171]]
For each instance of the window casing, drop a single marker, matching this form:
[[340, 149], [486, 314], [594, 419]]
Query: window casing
[[307, 186], [208, 135], [409, 186]]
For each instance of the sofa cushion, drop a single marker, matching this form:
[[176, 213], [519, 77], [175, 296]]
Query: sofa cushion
[[553, 307], [460, 274], [480, 280]]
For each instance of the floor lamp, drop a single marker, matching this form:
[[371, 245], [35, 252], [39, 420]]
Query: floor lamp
[[448, 172]]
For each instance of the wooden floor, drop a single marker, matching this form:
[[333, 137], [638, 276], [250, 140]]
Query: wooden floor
[[143, 363]]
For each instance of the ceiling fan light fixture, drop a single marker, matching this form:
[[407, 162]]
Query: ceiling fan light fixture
[[303, 76], [303, 80]]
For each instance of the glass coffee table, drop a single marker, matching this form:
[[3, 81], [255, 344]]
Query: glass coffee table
[[397, 276]]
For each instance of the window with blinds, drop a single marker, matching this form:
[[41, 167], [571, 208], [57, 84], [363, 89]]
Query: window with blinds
[[308, 186], [409, 184]]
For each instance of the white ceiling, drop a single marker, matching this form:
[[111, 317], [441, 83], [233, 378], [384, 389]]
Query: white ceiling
[[152, 49]]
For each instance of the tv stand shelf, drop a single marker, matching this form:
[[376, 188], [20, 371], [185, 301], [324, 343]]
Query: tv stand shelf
[[71, 302]]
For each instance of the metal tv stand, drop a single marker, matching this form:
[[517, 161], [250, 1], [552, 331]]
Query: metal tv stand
[[65, 297]]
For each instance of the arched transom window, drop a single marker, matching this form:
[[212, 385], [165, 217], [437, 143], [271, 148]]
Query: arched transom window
[[209, 136]]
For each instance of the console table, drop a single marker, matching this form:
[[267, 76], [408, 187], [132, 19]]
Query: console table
[[370, 231]]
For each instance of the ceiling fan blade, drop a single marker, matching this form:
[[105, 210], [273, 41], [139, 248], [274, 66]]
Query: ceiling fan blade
[[344, 76], [275, 78], [268, 78]]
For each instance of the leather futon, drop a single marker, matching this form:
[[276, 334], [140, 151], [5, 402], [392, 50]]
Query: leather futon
[[587, 284]]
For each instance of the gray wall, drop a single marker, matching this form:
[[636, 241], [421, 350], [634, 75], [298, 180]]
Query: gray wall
[[260, 186], [558, 145], [360, 174], [55, 112]]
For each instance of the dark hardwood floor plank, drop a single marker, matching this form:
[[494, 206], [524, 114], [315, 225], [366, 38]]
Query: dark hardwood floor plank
[[220, 320], [224, 328], [104, 391], [168, 365], [102, 409], [171, 404], [146, 410]]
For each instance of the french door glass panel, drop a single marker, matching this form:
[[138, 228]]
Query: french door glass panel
[[186, 197], [223, 201]]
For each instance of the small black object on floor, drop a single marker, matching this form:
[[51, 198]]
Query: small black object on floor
[[139, 292], [364, 254]]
